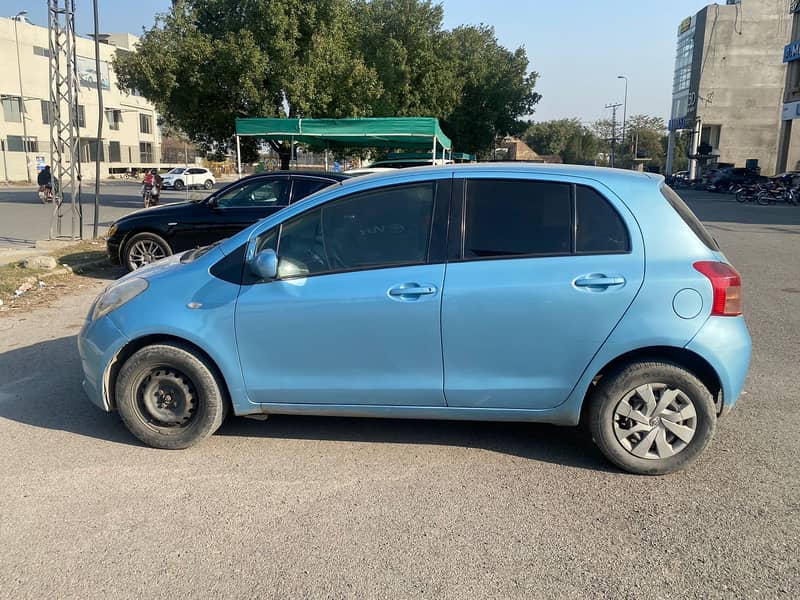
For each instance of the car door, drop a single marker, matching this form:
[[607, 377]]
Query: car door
[[240, 206], [544, 272], [354, 316]]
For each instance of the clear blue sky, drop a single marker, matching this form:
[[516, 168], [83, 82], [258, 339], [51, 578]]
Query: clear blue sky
[[578, 47]]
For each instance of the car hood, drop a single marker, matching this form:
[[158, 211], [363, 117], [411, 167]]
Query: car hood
[[177, 208]]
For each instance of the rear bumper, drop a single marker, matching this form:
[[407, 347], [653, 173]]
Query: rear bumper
[[725, 343]]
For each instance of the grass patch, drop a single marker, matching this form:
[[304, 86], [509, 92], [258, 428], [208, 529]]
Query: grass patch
[[14, 274]]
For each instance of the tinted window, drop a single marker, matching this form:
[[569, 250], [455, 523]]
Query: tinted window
[[371, 229], [511, 218], [306, 187], [269, 192], [689, 217], [599, 227]]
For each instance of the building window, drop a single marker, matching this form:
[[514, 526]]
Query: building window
[[17, 143], [114, 152], [145, 123], [89, 153], [41, 51], [12, 109], [48, 112], [81, 116], [145, 152], [114, 118]]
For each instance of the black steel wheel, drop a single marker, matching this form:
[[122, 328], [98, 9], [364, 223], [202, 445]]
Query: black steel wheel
[[169, 397]]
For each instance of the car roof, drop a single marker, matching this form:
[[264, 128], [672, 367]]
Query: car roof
[[589, 172]]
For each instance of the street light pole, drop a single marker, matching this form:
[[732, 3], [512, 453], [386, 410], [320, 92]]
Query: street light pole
[[624, 107], [22, 98]]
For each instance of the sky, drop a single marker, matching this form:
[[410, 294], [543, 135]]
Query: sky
[[578, 47]]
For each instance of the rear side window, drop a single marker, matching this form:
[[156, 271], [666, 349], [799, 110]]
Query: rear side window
[[599, 229], [306, 187], [506, 218], [689, 217]]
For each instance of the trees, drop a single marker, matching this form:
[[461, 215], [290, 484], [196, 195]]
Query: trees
[[496, 89], [206, 62], [569, 138]]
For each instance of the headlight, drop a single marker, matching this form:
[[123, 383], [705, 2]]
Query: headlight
[[118, 295], [112, 230]]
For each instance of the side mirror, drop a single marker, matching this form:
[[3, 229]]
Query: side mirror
[[264, 265]]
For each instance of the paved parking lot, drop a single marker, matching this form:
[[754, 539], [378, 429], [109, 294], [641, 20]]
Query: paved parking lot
[[300, 507], [24, 219]]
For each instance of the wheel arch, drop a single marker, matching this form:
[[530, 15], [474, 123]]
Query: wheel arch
[[687, 359], [137, 344]]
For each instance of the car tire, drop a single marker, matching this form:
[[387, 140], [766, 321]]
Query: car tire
[[208, 184], [651, 418], [144, 248], [178, 185], [169, 397]]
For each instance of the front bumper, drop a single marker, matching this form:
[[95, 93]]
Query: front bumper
[[113, 247], [98, 343]]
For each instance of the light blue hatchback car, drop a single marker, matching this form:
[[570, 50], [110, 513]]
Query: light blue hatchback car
[[505, 292]]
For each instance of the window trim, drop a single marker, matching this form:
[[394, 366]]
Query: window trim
[[456, 252], [438, 185]]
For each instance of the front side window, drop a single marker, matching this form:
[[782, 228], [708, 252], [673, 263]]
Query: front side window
[[273, 192], [372, 229], [507, 218]]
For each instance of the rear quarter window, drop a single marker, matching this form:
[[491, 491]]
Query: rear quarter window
[[689, 217]]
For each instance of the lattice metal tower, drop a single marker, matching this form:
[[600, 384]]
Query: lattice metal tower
[[64, 134]]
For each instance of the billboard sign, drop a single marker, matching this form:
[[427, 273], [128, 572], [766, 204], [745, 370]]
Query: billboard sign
[[791, 110], [87, 74]]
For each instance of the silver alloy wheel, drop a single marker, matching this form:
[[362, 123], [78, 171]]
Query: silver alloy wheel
[[655, 421], [143, 252]]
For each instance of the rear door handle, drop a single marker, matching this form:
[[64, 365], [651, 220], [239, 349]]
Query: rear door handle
[[599, 281], [411, 291]]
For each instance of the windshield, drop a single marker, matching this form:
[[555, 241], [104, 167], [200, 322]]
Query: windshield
[[176, 171]]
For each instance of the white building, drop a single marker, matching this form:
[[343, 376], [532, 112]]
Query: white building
[[130, 137]]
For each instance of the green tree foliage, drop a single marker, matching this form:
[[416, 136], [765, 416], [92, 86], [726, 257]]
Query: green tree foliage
[[206, 62], [569, 138], [497, 89]]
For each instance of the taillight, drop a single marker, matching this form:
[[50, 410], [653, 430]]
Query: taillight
[[727, 285]]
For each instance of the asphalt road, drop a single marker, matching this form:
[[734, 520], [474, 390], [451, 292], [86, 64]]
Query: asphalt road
[[300, 507], [24, 219]]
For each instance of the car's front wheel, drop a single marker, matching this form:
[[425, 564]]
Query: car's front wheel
[[208, 184], [651, 418], [144, 248], [169, 397], [179, 185]]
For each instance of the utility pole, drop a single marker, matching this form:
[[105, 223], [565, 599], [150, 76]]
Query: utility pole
[[613, 108], [65, 159]]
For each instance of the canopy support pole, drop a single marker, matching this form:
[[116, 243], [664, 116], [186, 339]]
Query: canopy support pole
[[433, 154], [238, 158], [326, 156]]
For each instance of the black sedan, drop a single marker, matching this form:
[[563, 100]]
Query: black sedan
[[153, 233]]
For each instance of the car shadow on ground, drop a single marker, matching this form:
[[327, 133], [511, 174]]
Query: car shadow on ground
[[33, 392]]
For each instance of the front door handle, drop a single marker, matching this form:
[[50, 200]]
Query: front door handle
[[599, 281], [410, 291]]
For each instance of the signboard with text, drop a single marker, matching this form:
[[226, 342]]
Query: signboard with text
[[791, 51], [791, 110]]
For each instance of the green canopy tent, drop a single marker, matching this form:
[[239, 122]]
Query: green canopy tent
[[390, 132]]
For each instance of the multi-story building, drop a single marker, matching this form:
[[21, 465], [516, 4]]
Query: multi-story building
[[729, 82], [130, 134]]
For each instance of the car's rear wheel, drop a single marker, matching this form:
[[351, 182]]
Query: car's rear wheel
[[179, 184], [651, 418], [169, 397], [144, 248], [208, 184]]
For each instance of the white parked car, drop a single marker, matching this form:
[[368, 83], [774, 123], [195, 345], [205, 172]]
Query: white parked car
[[188, 177]]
